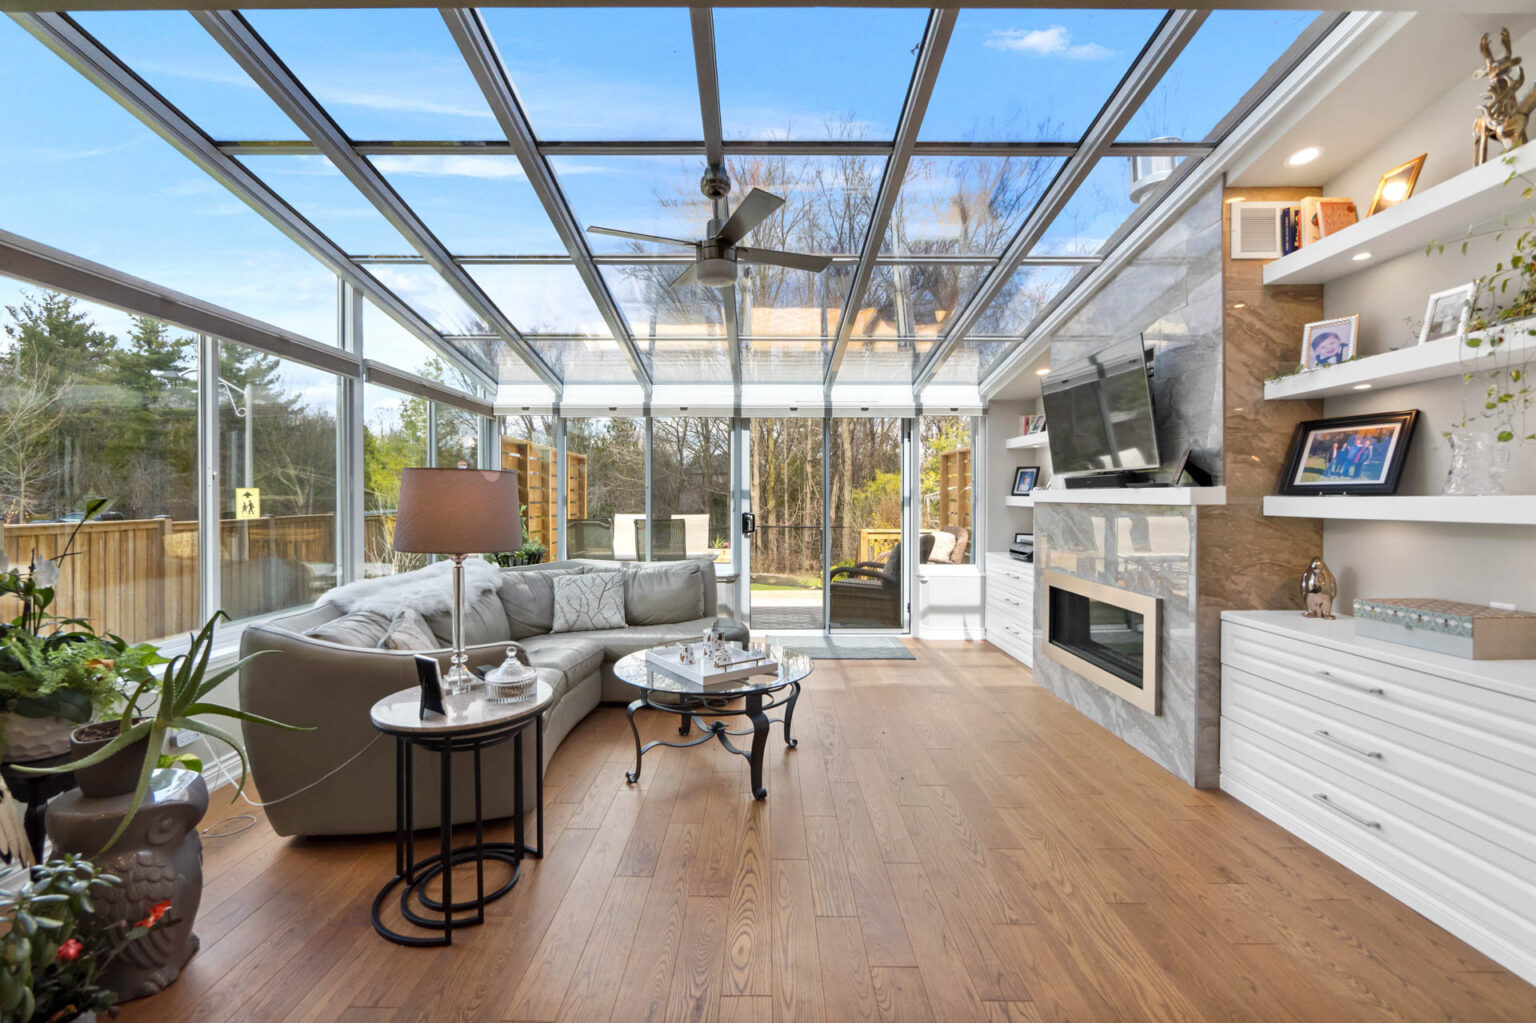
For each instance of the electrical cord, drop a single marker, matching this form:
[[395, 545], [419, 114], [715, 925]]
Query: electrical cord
[[208, 831]]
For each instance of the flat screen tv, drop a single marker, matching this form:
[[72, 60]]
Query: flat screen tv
[[1099, 416]]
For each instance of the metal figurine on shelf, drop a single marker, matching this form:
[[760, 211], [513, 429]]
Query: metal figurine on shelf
[[1502, 115], [1318, 588]]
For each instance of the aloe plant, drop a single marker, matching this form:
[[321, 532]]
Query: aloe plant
[[180, 705]]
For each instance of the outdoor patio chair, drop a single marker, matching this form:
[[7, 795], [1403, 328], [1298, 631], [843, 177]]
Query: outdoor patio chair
[[868, 595]]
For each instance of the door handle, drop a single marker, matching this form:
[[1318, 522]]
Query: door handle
[[748, 523]]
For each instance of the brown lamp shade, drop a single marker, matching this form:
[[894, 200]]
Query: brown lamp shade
[[458, 511]]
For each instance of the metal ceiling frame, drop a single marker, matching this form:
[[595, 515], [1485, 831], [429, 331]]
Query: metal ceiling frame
[[479, 51], [730, 147], [925, 72], [98, 65], [257, 59], [1177, 29]]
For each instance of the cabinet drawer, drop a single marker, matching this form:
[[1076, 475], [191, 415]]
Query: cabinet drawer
[[1013, 573], [1016, 641], [1021, 601], [1420, 849], [1481, 796], [1492, 724]]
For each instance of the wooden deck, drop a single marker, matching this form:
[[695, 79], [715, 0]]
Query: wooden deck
[[949, 842]]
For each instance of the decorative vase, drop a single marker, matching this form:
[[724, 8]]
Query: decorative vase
[[117, 775], [27, 739], [159, 858], [1478, 462]]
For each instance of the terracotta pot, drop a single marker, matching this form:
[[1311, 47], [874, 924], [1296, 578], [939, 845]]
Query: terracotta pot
[[26, 739], [115, 776]]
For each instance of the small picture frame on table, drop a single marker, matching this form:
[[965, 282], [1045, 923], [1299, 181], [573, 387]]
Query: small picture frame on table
[[1349, 454], [1448, 313], [1024, 478], [431, 678], [1330, 342]]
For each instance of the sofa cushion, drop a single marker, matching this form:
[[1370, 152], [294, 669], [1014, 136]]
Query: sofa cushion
[[618, 642], [359, 628], [662, 594], [408, 631], [528, 598], [485, 621], [593, 600], [571, 653]]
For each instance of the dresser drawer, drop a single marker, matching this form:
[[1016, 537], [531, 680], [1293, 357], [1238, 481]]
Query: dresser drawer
[[1440, 861], [1481, 796], [1016, 641], [1019, 600], [1009, 572], [1492, 724]]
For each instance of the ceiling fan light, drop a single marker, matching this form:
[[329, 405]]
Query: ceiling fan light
[[715, 273]]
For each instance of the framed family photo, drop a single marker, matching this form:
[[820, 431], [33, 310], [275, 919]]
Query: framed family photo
[[1448, 313], [1349, 454], [1330, 342], [1024, 478]]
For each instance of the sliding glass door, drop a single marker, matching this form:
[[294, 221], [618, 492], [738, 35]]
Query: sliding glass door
[[864, 522], [788, 483]]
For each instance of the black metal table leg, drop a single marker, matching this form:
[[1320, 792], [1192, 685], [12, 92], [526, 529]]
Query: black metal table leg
[[538, 781], [789, 714], [634, 776], [445, 834], [759, 742]]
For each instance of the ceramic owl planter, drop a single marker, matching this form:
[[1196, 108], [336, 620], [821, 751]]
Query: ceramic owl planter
[[160, 860]]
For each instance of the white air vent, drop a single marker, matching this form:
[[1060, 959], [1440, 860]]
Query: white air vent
[[1256, 229]]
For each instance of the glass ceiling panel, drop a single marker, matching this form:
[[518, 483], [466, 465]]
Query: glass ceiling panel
[[592, 361], [688, 362], [1032, 75], [386, 341], [422, 288], [542, 299], [653, 308], [1026, 292], [313, 186], [381, 74], [881, 362], [1104, 201], [477, 205], [783, 362], [827, 199], [970, 360], [184, 64], [775, 302], [813, 73], [914, 300], [965, 205], [634, 68], [1232, 51]]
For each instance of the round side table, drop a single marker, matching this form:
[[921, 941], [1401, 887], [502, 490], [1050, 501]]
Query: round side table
[[471, 725]]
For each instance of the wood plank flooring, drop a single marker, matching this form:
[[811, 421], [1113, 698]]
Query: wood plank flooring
[[948, 842]]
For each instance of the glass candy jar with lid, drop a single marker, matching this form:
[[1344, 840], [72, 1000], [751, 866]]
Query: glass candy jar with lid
[[510, 681]]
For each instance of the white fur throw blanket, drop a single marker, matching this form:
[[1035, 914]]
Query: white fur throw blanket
[[428, 591]]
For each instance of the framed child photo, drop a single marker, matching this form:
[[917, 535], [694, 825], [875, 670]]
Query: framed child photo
[[1448, 313], [1024, 478], [1349, 454], [1330, 342]]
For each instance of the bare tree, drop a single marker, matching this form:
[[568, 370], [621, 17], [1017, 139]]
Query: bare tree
[[31, 409]]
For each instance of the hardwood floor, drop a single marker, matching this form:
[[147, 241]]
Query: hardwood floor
[[948, 842]]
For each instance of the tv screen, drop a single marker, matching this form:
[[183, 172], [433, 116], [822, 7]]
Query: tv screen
[[1099, 416]]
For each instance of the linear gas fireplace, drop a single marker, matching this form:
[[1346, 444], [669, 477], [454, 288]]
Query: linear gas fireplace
[[1105, 634]]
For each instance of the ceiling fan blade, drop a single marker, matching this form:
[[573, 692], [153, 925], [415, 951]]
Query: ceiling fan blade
[[686, 277], [754, 209], [793, 260], [637, 236]]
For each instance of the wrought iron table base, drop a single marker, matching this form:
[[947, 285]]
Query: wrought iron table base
[[412, 875], [694, 709]]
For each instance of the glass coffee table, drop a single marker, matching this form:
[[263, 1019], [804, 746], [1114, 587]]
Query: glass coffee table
[[708, 709]]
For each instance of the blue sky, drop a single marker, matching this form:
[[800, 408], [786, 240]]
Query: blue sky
[[84, 175]]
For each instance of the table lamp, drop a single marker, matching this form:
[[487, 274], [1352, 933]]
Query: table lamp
[[457, 512]]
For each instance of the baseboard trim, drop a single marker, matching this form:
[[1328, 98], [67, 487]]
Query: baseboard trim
[[961, 632]]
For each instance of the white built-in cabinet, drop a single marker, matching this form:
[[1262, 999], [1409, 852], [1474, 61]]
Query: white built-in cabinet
[[1011, 606]]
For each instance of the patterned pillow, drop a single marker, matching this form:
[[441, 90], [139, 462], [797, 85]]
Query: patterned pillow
[[408, 631], [594, 600]]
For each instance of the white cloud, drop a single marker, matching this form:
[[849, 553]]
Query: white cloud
[[1055, 41], [451, 166], [395, 102]]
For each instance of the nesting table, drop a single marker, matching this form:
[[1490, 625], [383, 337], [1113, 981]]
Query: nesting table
[[670, 694], [471, 725]]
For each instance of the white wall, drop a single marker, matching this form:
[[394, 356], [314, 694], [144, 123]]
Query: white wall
[[1471, 563], [1003, 522]]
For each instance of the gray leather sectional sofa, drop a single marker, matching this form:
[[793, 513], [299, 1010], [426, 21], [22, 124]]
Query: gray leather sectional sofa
[[329, 685]]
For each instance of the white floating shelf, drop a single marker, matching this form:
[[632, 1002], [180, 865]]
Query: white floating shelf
[[1443, 212], [1501, 510], [1019, 502], [1449, 357], [1164, 496], [1028, 440]]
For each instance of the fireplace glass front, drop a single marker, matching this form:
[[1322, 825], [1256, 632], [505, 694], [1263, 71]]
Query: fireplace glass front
[[1103, 634]]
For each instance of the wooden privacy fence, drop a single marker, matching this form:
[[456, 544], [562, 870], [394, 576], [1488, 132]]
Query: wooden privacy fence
[[138, 578], [538, 486], [955, 488]]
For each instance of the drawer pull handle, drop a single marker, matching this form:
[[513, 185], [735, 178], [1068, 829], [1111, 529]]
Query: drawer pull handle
[[1322, 797], [1010, 600], [1368, 690], [1325, 734]]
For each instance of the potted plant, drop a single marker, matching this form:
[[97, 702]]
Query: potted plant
[[58, 946], [532, 552]]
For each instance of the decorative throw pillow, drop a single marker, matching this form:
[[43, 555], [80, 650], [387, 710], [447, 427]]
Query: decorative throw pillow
[[408, 631], [485, 621], [360, 628], [943, 547], [594, 600], [663, 594]]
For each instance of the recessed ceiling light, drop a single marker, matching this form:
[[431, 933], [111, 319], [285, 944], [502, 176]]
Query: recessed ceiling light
[[1302, 157], [1042, 372], [1362, 387], [1360, 256]]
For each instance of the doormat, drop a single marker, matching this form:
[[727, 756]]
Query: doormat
[[847, 648]]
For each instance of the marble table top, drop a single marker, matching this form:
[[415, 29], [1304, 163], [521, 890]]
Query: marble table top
[[400, 713]]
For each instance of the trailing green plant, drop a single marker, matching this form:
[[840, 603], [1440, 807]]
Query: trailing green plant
[[179, 702], [56, 947]]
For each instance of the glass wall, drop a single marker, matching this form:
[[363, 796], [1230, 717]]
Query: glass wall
[[944, 488], [528, 449], [691, 488], [787, 556], [277, 482], [98, 404], [864, 496], [605, 467], [457, 435], [394, 439]]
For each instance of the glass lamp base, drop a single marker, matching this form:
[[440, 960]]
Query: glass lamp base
[[458, 680]]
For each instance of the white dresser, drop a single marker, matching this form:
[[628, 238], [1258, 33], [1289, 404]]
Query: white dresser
[[1011, 606], [1414, 769]]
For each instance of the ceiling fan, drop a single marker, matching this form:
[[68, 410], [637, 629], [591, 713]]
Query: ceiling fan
[[716, 256]]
